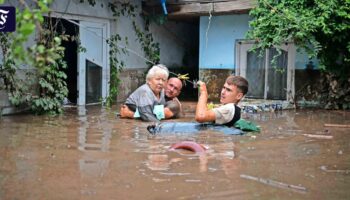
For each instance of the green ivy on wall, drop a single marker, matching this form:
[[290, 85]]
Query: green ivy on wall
[[144, 37], [46, 56]]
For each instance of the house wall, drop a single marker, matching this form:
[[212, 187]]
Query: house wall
[[217, 49], [21, 71], [174, 38], [217, 40]]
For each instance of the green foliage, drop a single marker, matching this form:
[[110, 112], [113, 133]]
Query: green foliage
[[7, 67], [322, 27], [149, 46], [46, 56], [27, 20], [116, 67], [52, 85], [334, 93], [122, 8], [115, 63], [91, 2]]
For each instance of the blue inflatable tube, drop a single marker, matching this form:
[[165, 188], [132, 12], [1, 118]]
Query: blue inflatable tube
[[190, 127]]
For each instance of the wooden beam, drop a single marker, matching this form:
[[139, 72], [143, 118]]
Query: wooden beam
[[190, 8], [181, 2]]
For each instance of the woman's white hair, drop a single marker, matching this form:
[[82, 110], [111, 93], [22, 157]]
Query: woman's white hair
[[156, 70]]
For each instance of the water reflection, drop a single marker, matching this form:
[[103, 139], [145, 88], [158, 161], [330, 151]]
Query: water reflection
[[158, 162], [94, 135], [89, 154], [94, 168], [222, 152]]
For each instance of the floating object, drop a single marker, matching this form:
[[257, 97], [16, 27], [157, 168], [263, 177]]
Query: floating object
[[189, 145], [337, 125], [190, 128], [183, 77], [246, 125], [324, 168], [319, 136], [274, 183]]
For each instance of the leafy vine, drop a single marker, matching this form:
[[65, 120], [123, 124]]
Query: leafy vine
[[46, 56], [150, 48]]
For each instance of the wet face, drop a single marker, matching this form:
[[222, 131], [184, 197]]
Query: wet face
[[230, 94], [173, 88], [157, 83]]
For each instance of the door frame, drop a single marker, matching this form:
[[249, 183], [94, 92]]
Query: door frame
[[83, 56], [241, 49], [106, 69]]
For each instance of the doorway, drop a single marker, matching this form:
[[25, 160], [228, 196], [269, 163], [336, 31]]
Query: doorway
[[64, 27], [93, 71]]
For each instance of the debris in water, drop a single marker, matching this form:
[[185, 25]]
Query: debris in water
[[274, 183], [319, 136], [324, 168], [338, 125]]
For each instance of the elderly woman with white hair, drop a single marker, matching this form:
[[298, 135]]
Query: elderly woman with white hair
[[148, 98]]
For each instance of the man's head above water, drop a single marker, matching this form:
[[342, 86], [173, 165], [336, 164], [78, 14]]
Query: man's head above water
[[173, 88]]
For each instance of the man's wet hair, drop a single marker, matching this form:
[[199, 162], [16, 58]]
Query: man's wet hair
[[239, 81]]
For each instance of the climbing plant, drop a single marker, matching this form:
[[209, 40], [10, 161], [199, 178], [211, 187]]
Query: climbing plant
[[7, 67], [46, 56], [149, 46], [145, 38], [116, 67], [321, 27], [49, 55]]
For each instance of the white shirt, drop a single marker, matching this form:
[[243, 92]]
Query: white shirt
[[225, 113]]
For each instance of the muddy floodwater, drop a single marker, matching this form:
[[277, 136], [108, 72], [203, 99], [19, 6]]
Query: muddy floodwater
[[89, 153]]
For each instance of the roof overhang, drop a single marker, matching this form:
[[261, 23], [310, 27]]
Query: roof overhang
[[178, 9]]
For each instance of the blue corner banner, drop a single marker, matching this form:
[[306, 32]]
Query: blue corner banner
[[7, 19]]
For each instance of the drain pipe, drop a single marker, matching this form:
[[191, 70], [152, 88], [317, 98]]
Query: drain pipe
[[164, 7]]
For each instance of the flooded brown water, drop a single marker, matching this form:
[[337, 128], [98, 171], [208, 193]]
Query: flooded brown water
[[91, 154]]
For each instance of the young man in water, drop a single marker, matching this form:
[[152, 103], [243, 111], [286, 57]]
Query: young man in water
[[233, 91], [172, 107]]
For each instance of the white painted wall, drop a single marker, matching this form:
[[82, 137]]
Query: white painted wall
[[170, 36]]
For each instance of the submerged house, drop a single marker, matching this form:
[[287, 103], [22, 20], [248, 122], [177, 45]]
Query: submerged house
[[88, 57], [223, 49], [203, 38]]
